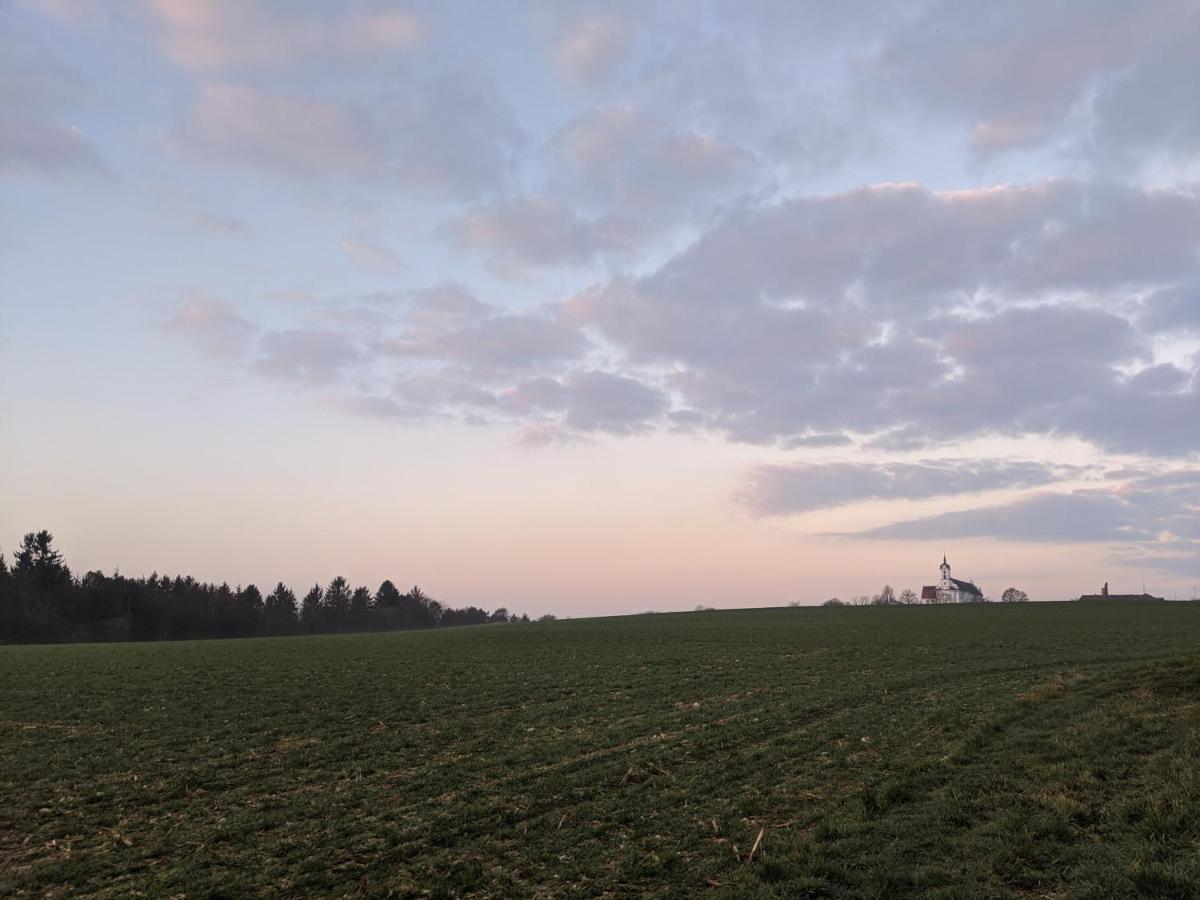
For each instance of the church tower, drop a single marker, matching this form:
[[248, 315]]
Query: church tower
[[945, 570]]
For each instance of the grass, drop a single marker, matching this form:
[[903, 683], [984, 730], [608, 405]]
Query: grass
[[1044, 750]]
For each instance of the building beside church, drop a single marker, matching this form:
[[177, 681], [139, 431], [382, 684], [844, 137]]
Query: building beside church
[[951, 590], [1128, 598]]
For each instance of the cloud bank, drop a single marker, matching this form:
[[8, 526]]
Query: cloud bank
[[855, 237]]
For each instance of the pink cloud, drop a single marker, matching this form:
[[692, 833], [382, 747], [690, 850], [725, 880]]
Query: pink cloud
[[216, 34], [289, 133], [589, 47], [216, 326]]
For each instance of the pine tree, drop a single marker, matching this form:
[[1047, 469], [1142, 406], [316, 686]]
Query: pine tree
[[312, 611], [337, 603], [280, 610]]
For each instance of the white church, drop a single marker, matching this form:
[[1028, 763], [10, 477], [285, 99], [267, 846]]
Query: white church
[[951, 590]]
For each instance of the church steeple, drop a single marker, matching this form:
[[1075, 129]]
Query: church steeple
[[945, 570]]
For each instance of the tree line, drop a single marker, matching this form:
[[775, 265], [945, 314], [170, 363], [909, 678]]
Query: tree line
[[887, 596], [42, 601]]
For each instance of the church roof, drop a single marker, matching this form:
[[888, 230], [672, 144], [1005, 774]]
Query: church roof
[[966, 586]]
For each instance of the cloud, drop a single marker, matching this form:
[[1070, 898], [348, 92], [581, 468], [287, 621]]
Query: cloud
[[1149, 109], [734, 289], [803, 487], [448, 324], [589, 401], [1152, 519], [445, 137], [902, 245], [214, 325], [832, 439], [37, 100], [1079, 516], [497, 342], [643, 166], [452, 134], [291, 134], [210, 35], [1173, 309], [439, 309], [66, 10], [311, 357], [616, 177], [547, 409], [931, 315], [588, 45], [436, 352], [1017, 74], [371, 255], [535, 231]]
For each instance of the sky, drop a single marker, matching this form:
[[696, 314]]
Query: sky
[[598, 308]]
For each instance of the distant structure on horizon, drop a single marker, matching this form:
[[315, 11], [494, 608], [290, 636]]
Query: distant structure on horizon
[[951, 590], [1129, 598]]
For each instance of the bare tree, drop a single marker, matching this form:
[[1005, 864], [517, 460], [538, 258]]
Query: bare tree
[[908, 597], [1012, 595], [885, 597]]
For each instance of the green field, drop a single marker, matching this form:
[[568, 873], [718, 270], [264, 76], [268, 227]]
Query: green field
[[1038, 750]]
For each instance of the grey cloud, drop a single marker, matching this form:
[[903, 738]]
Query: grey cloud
[[590, 401], [311, 357], [618, 176], [452, 134], [1156, 415], [1175, 478], [832, 439], [522, 231], [740, 79], [1013, 74], [443, 352], [1180, 558], [612, 403], [32, 143], [1164, 378], [803, 487], [641, 164], [501, 342], [1150, 109], [1080, 516], [921, 316], [548, 409], [1151, 519], [449, 325], [443, 307], [891, 245], [444, 393], [37, 98], [1173, 309]]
